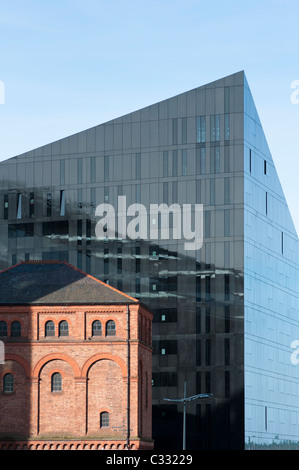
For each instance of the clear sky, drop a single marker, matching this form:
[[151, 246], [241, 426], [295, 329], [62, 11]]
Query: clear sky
[[67, 65]]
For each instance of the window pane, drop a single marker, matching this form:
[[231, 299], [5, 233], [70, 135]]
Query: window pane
[[201, 129], [104, 419], [3, 328], [49, 205], [184, 162], [31, 205], [19, 206], [62, 203], [62, 172], [79, 171], [215, 128], [8, 383], [6, 206], [138, 166], [165, 163], [56, 382], [97, 328], [16, 328], [50, 329], [184, 130], [106, 168], [63, 328], [110, 328], [93, 169]]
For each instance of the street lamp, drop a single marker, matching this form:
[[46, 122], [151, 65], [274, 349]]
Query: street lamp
[[186, 400]]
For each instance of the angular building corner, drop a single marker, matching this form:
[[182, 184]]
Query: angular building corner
[[225, 315]]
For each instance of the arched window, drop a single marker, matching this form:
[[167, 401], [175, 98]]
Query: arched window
[[50, 328], [110, 328], [56, 382], [63, 328], [97, 328], [104, 419], [8, 383], [16, 328], [3, 328]]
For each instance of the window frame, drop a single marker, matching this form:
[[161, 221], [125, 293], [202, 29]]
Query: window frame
[[63, 328], [47, 332], [95, 331], [10, 386], [15, 329], [56, 382], [4, 329], [104, 419], [110, 328]]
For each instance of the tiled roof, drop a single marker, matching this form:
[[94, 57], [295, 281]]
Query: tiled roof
[[52, 283]]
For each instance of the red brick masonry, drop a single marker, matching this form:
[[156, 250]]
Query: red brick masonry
[[96, 374]]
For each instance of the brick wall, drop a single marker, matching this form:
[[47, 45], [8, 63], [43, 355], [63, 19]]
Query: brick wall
[[93, 372]]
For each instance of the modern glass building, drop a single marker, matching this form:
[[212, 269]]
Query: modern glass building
[[226, 311]]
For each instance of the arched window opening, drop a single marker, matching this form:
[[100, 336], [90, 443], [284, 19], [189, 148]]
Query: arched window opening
[[104, 419], [56, 382], [16, 329], [8, 383], [63, 328], [97, 328], [110, 328], [3, 328], [50, 328]]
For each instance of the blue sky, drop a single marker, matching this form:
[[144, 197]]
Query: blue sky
[[68, 65]]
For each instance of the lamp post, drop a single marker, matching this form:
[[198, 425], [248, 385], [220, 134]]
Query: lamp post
[[186, 400]]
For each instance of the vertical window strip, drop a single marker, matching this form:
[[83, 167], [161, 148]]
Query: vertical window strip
[[201, 129], [19, 206], [5, 203]]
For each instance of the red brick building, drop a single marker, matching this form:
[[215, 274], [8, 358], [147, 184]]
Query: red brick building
[[78, 361]]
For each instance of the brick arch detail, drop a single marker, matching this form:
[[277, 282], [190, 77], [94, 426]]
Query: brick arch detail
[[53, 357], [100, 357], [20, 360]]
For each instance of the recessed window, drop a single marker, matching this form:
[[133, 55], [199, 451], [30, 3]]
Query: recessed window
[[6, 206], [50, 328], [104, 419], [110, 328], [8, 383], [31, 205], [56, 382], [16, 329], [3, 328], [63, 328], [265, 167], [49, 204], [97, 328], [62, 203], [215, 127], [19, 206], [201, 129]]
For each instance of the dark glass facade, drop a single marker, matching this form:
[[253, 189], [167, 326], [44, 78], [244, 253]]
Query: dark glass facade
[[225, 314]]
